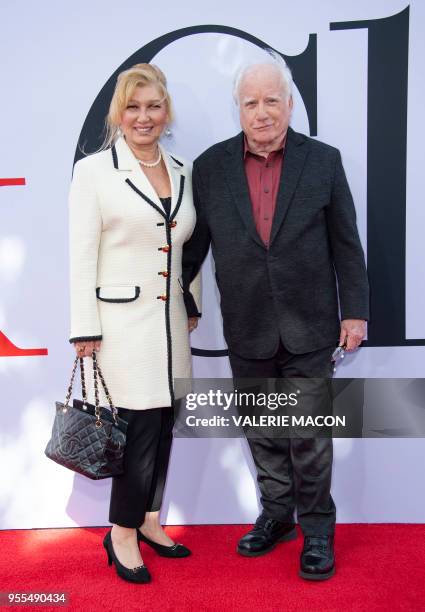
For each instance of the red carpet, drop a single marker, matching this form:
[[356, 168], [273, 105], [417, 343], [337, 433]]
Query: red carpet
[[379, 567]]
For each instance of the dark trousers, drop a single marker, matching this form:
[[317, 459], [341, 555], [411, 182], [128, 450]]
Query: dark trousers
[[140, 488], [293, 473]]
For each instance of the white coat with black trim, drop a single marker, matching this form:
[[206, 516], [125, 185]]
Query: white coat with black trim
[[125, 275]]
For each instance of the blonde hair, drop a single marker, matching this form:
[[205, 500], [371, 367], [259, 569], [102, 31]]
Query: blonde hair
[[138, 75]]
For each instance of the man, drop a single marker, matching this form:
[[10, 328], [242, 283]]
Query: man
[[277, 210]]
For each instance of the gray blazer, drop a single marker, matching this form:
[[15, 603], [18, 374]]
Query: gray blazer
[[288, 292]]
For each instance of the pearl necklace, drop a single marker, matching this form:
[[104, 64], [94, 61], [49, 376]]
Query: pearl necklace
[[151, 164]]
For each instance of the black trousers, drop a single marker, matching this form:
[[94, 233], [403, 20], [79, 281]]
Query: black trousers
[[140, 488], [293, 473]]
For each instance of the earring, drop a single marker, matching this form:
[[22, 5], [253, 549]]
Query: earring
[[168, 132]]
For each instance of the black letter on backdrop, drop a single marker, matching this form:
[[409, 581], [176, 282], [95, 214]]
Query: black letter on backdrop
[[388, 49]]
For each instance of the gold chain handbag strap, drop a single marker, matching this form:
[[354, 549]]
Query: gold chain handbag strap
[[96, 392], [105, 388], [83, 382], [96, 371], [71, 383]]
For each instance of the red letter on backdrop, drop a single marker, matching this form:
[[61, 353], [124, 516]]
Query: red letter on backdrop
[[7, 348]]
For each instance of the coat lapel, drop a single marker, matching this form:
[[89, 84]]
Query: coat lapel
[[177, 179], [233, 166], [125, 162], [296, 149]]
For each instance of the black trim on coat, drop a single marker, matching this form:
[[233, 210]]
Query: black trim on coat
[[178, 162], [85, 339], [114, 157], [209, 353], [145, 197], [167, 317], [168, 285], [117, 300], [179, 199], [168, 219], [157, 208]]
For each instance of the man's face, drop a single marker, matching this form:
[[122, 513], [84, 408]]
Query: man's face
[[264, 107]]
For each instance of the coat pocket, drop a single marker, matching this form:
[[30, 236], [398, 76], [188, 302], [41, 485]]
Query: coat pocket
[[117, 294]]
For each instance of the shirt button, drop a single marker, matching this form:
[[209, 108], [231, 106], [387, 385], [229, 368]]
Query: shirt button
[[266, 218], [266, 190]]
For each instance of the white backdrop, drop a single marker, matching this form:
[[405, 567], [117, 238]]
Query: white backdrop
[[55, 58]]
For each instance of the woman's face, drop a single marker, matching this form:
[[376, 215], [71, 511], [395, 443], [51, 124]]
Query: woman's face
[[144, 117]]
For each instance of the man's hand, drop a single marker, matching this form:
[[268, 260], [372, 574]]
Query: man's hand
[[85, 349], [193, 323], [352, 332]]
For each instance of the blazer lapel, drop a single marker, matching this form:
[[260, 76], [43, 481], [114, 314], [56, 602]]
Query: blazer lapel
[[129, 167], [233, 166], [296, 149], [177, 180], [126, 163]]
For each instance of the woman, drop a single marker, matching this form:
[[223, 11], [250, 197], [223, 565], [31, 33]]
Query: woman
[[131, 211]]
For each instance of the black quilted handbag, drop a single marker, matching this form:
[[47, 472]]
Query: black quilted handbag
[[88, 439]]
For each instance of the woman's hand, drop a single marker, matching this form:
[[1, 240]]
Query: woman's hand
[[193, 323], [85, 349]]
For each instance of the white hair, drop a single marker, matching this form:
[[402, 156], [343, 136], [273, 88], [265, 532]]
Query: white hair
[[271, 59]]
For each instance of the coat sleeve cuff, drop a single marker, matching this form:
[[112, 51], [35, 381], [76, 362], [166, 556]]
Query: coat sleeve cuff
[[359, 316], [85, 339], [190, 304]]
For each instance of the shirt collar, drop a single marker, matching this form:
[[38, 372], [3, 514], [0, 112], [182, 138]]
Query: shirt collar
[[270, 156]]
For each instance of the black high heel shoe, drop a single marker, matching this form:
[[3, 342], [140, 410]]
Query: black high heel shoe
[[176, 551], [139, 574]]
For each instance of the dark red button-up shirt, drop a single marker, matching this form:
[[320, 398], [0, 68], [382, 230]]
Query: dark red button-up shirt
[[263, 175]]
